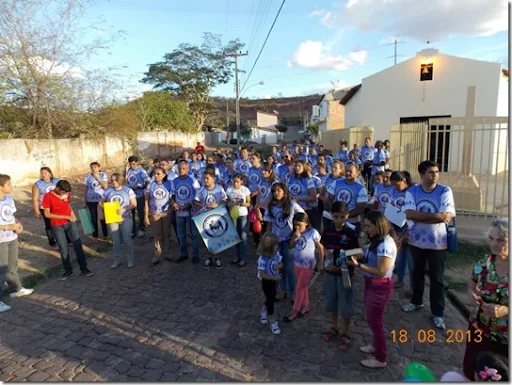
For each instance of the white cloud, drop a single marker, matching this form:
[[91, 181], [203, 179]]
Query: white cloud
[[317, 12], [314, 55], [267, 96], [415, 19]]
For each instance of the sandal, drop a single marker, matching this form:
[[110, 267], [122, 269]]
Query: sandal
[[331, 334], [242, 263], [302, 313], [290, 317], [344, 342]]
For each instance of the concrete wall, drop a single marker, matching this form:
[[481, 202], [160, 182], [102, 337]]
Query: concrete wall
[[166, 143], [397, 92], [263, 136], [22, 158], [266, 120]]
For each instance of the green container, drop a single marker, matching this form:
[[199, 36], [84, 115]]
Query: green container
[[85, 219]]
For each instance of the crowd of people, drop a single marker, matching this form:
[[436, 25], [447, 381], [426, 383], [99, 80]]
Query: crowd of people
[[315, 209]]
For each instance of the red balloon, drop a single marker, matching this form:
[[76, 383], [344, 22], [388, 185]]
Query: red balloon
[[256, 227]]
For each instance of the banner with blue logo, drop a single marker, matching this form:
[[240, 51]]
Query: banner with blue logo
[[217, 229]]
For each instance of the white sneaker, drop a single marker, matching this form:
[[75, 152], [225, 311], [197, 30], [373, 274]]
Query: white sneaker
[[263, 316], [140, 234], [21, 293], [274, 327], [130, 264], [4, 307], [115, 265], [218, 263]]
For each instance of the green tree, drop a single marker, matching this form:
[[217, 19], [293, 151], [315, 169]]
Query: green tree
[[192, 72], [159, 110], [282, 128]]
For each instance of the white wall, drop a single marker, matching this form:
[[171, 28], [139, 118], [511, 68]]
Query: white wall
[[397, 92], [503, 104], [258, 136], [266, 120]]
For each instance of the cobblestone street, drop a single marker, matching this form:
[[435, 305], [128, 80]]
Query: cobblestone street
[[178, 322]]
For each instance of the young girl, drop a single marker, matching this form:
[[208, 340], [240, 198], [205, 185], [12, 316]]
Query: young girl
[[121, 231], [158, 194], [305, 240], [378, 288], [209, 197], [302, 188], [269, 264], [240, 196], [279, 216], [45, 184]]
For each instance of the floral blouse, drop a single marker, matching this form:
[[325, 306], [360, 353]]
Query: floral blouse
[[495, 290]]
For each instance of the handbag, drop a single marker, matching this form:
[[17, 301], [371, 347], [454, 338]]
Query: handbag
[[452, 241]]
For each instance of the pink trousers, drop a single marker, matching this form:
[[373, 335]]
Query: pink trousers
[[302, 277]]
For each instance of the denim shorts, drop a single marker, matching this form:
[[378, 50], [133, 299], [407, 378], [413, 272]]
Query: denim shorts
[[337, 298]]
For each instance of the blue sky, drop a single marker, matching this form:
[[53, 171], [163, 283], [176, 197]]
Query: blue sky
[[313, 43]]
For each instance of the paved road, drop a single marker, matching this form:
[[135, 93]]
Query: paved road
[[177, 322]]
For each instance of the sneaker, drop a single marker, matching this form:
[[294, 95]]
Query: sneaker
[[115, 265], [87, 273], [207, 263], [218, 263], [4, 307], [140, 234], [368, 349], [439, 323], [195, 260], [410, 307], [373, 363], [263, 316], [274, 327], [130, 264], [21, 292], [66, 275]]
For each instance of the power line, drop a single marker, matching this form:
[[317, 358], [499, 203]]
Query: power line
[[227, 16], [264, 43]]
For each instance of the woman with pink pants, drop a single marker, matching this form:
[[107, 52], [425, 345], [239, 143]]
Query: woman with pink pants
[[378, 289]]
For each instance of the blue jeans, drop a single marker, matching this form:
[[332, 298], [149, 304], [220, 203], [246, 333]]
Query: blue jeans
[[62, 234], [241, 229], [181, 229], [403, 260], [287, 272], [122, 233]]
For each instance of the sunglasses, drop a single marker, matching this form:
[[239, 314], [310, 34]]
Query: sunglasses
[[114, 180]]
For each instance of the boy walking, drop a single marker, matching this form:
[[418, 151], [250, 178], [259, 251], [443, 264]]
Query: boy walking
[[57, 208], [9, 230]]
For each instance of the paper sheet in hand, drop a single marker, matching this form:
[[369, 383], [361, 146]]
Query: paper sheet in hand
[[352, 252], [395, 216], [111, 215]]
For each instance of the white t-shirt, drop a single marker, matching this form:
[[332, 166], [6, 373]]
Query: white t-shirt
[[238, 197], [386, 248], [304, 249], [269, 265], [7, 210], [282, 227]]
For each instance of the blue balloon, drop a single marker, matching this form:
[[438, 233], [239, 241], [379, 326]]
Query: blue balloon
[[411, 380]]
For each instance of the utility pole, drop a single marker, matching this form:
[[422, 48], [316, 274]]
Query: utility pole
[[395, 56], [236, 55]]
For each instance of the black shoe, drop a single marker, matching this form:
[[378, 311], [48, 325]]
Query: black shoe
[[195, 260], [66, 275], [180, 259], [87, 273]]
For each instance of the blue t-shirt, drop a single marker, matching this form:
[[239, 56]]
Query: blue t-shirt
[[206, 196], [123, 196], [304, 249], [386, 248], [159, 197], [200, 177], [312, 159], [355, 161], [255, 176], [282, 227], [7, 210], [283, 172], [265, 191], [351, 194], [183, 189], [367, 153], [137, 178], [323, 178], [380, 156], [342, 155], [94, 190], [299, 187], [269, 265], [383, 195], [227, 179], [195, 167], [45, 187], [243, 166], [439, 200]]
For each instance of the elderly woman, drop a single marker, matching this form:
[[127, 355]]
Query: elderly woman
[[488, 293]]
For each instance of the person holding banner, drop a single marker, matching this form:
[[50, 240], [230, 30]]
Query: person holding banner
[[279, 216], [158, 205], [121, 230], [183, 191], [97, 183], [45, 184], [208, 197], [239, 199]]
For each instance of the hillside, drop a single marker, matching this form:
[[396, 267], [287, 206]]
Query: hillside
[[288, 108]]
